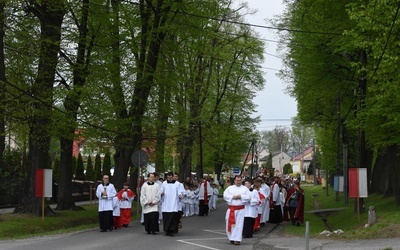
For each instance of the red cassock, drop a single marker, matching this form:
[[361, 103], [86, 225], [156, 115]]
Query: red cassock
[[126, 205], [258, 219], [299, 213]]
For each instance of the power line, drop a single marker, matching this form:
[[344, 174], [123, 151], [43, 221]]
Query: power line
[[256, 25]]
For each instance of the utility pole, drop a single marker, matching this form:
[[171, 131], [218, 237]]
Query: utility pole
[[252, 160], [314, 163], [361, 154], [338, 142]]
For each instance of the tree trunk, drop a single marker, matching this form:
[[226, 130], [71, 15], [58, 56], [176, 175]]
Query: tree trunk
[[2, 79], [384, 177], [185, 150], [50, 14], [71, 103], [65, 200], [122, 159], [151, 39], [163, 111]]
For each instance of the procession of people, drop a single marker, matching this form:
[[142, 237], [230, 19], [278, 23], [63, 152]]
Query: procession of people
[[251, 203]]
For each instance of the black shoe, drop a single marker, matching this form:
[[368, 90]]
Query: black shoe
[[298, 223], [153, 233], [232, 242], [148, 232], [102, 230]]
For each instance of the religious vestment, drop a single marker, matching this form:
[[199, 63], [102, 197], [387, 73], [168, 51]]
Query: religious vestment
[[117, 223], [181, 193], [105, 208], [261, 196], [265, 206], [170, 199], [295, 204], [234, 217], [276, 215], [215, 198], [205, 193], [149, 200], [250, 213], [126, 197]]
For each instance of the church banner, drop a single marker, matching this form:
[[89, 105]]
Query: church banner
[[358, 184], [44, 183]]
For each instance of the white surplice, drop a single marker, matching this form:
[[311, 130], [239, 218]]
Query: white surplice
[[237, 229]]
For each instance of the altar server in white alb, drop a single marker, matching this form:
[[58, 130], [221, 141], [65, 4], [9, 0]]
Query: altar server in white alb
[[149, 199], [265, 206], [236, 196], [105, 192], [170, 195], [250, 210], [214, 197]]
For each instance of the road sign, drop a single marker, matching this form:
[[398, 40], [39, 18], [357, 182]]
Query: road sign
[[139, 158]]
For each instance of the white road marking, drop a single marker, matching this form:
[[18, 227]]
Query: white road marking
[[198, 245], [216, 232], [187, 241]]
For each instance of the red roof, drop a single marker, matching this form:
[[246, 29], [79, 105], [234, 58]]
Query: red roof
[[303, 154]]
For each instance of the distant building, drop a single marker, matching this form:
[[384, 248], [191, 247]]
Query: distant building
[[279, 159], [302, 161]]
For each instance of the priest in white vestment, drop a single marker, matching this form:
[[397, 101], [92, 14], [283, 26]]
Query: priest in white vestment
[[236, 196], [170, 197], [105, 192]]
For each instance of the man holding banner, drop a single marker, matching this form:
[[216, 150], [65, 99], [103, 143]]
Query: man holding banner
[[105, 193]]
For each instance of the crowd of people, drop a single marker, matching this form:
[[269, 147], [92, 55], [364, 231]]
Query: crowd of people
[[168, 200], [254, 202], [251, 203]]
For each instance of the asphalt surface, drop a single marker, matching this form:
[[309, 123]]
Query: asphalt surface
[[197, 233]]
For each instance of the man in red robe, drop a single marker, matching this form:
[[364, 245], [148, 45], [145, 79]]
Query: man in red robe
[[126, 197], [295, 204]]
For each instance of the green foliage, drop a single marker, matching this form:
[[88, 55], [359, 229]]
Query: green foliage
[[269, 161], [387, 225], [97, 167], [11, 164], [56, 170], [80, 169], [287, 169], [107, 164], [89, 169], [17, 226], [276, 139]]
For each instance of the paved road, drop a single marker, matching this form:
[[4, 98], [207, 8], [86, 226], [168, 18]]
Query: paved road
[[197, 233]]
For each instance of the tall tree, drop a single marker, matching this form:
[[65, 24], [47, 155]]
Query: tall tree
[[50, 15], [89, 169], [2, 78], [107, 164], [79, 169], [97, 167], [72, 99], [153, 20]]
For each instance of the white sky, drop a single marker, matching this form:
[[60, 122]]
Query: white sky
[[275, 107]]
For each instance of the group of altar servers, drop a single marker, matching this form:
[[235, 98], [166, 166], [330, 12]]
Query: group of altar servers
[[252, 203], [167, 201]]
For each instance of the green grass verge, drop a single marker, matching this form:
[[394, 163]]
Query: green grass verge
[[17, 226], [387, 224]]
